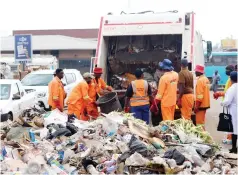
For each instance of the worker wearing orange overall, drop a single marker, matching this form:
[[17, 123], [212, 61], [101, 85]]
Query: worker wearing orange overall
[[96, 89], [167, 90], [202, 102], [92, 109], [216, 95], [100, 83], [79, 98], [57, 94], [186, 96]]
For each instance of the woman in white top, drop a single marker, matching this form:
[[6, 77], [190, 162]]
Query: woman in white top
[[230, 101]]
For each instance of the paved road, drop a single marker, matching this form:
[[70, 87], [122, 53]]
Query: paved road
[[212, 121]]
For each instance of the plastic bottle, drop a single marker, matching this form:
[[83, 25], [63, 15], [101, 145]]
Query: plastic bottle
[[61, 155], [32, 135]]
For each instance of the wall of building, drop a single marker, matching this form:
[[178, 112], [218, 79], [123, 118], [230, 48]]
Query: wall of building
[[75, 54]]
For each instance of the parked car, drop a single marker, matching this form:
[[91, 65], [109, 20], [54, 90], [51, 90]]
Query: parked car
[[39, 81], [14, 99]]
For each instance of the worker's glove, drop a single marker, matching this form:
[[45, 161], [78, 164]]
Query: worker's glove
[[157, 101], [154, 106], [179, 103], [126, 109], [216, 95], [197, 105], [94, 103], [85, 113]]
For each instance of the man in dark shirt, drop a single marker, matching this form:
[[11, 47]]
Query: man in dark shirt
[[139, 95], [185, 85]]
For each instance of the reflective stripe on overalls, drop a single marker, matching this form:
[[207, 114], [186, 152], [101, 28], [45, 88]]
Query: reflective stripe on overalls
[[137, 98]]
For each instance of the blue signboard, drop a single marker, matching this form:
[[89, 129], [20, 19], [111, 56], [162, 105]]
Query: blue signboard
[[23, 48]]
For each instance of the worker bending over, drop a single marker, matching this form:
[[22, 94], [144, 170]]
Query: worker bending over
[[100, 83], [216, 95], [139, 94], [167, 90], [57, 94], [202, 102], [92, 106], [185, 85], [97, 88], [79, 98]]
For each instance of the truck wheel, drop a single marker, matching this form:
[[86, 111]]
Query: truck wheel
[[10, 116]]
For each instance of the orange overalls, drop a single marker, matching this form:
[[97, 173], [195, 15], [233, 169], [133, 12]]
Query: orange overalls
[[187, 100], [202, 96], [78, 99], [96, 88], [167, 94], [56, 94], [92, 107], [101, 85]]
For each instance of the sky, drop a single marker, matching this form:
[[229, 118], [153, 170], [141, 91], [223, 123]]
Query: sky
[[215, 19]]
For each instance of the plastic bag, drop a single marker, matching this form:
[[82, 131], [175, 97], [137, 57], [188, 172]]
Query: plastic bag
[[55, 117], [136, 159], [110, 127], [202, 149]]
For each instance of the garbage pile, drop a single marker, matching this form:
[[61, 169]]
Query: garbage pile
[[115, 143]]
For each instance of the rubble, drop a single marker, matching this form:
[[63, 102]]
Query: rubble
[[115, 143]]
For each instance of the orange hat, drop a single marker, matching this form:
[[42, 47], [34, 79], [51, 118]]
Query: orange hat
[[199, 68], [97, 70]]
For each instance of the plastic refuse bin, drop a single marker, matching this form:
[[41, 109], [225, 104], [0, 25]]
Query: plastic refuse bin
[[109, 102]]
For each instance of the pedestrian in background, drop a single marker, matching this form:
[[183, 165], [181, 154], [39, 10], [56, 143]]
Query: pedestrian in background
[[167, 90], [216, 95], [186, 95], [57, 94], [139, 95], [230, 101], [215, 81], [202, 102]]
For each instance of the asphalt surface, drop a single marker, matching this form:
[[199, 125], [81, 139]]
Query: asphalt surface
[[212, 121]]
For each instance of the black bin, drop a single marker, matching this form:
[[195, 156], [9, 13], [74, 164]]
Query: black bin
[[109, 102]]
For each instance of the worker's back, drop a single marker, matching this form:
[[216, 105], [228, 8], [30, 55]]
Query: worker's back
[[168, 88]]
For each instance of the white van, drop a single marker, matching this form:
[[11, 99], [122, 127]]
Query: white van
[[39, 81], [14, 99]]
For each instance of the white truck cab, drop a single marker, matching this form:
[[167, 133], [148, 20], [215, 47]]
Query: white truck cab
[[14, 99]]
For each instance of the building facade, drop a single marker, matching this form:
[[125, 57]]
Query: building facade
[[72, 47]]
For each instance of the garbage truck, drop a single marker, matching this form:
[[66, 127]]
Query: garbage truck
[[142, 40]]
